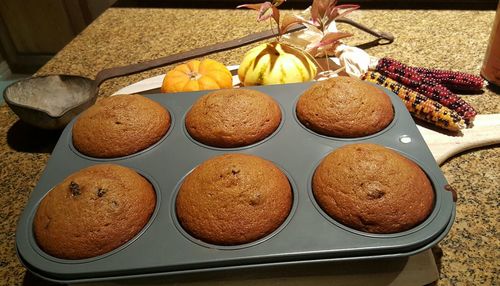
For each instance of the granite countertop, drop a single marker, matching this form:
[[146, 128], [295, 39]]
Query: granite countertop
[[457, 40]]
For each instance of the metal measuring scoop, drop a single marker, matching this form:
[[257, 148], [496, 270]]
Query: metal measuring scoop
[[50, 102]]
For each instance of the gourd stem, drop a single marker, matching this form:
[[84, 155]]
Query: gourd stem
[[194, 75]]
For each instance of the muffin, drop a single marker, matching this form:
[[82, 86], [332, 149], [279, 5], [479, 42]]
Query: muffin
[[373, 189], [233, 199], [233, 118], [120, 125], [344, 107], [93, 211]]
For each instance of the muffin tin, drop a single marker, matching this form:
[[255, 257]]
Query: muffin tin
[[307, 236]]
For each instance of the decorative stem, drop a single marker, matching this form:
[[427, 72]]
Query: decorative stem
[[194, 75], [272, 29], [326, 52]]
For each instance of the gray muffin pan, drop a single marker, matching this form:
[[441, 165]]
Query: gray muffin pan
[[307, 236]]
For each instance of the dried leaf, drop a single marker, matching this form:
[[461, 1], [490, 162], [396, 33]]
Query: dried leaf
[[319, 8], [276, 15], [268, 10], [251, 6], [313, 51], [330, 39], [347, 6], [276, 3], [263, 11], [309, 22], [315, 11], [289, 21], [262, 8], [336, 12]]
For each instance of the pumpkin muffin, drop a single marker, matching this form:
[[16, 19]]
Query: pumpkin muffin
[[233, 199], [93, 211], [374, 189], [120, 125], [233, 118], [344, 107]]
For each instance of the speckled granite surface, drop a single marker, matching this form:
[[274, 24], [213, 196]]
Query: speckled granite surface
[[469, 255]]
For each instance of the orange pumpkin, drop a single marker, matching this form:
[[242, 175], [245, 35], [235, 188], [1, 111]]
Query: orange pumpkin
[[197, 75]]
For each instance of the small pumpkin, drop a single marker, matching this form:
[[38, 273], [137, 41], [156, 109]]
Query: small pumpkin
[[197, 75], [275, 63]]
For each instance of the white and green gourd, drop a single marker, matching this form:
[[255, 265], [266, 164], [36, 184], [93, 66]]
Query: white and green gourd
[[276, 63]]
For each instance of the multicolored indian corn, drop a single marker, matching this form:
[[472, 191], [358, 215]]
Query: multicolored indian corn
[[453, 80], [419, 106], [434, 91]]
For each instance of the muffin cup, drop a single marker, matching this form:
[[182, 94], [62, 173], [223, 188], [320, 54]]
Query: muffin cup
[[186, 133], [416, 228], [186, 234], [42, 253], [379, 133], [145, 150]]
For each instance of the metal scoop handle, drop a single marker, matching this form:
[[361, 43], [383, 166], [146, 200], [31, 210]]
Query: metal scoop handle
[[381, 35], [183, 56], [219, 47]]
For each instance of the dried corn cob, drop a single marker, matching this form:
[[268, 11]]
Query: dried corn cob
[[420, 106], [451, 79], [435, 92]]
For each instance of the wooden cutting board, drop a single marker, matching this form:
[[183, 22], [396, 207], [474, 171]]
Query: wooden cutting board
[[485, 132]]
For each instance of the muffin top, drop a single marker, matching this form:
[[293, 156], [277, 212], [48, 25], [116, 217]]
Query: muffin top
[[93, 211], [120, 125], [344, 107], [233, 199], [371, 188], [233, 118]]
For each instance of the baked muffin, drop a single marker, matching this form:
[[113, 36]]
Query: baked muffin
[[233, 118], [344, 107], [373, 189], [120, 125], [93, 211], [233, 199]]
